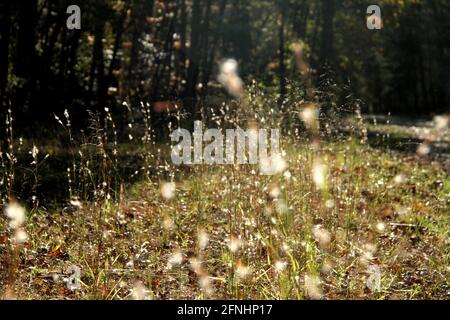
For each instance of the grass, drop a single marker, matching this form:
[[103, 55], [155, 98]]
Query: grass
[[376, 228]]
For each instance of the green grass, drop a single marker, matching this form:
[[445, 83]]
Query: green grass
[[233, 234]]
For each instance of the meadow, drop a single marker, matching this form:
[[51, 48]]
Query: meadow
[[357, 210], [350, 201]]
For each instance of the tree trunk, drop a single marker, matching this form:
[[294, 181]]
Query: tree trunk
[[97, 74], [212, 52], [25, 65], [326, 50], [141, 10], [281, 54], [5, 30], [193, 69], [183, 25], [119, 29], [205, 44]]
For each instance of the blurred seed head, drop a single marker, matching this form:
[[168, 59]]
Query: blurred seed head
[[230, 79], [203, 239], [175, 259], [196, 266], [168, 223], [329, 204], [139, 291], [368, 250], [302, 67], [234, 244], [205, 284], [20, 236], [272, 165], [34, 152], [374, 279], [280, 266], [168, 190], [313, 288], [287, 175], [400, 179], [423, 149], [327, 267], [242, 270], [310, 116], [229, 66], [322, 236], [16, 215], [274, 192], [76, 203], [381, 227], [281, 207], [441, 122], [319, 173]]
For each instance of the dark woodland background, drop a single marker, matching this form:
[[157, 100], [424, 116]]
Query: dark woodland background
[[148, 50]]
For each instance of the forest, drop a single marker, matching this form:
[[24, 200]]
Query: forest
[[352, 203], [149, 51]]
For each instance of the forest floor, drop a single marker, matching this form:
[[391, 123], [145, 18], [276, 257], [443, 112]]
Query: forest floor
[[377, 228]]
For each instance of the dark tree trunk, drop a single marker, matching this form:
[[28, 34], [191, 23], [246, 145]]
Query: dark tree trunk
[[441, 51], [25, 54], [300, 19], [326, 48], [157, 118], [141, 10], [212, 52], [5, 31], [48, 98], [205, 43], [68, 83], [119, 30], [193, 69], [183, 25], [281, 53], [97, 73]]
